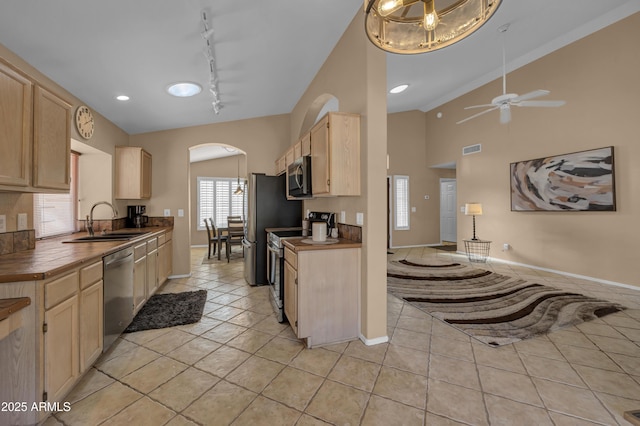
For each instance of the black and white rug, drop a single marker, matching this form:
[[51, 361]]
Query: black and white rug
[[169, 310], [493, 308]]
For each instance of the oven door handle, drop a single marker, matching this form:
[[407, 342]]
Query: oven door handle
[[273, 249]]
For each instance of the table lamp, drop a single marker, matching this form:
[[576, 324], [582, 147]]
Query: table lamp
[[473, 209]]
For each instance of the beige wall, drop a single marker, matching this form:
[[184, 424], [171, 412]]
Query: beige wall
[[262, 139], [221, 167], [597, 76], [408, 157], [355, 74]]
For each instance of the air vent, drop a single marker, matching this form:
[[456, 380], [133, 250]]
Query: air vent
[[472, 149]]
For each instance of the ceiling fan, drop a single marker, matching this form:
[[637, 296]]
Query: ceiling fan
[[504, 102]]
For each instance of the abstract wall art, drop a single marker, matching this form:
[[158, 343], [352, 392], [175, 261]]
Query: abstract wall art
[[580, 181]]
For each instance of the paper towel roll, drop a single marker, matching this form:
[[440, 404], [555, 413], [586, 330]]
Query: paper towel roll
[[319, 231]]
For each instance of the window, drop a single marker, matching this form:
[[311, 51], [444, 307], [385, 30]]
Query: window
[[56, 214], [217, 200], [401, 202]]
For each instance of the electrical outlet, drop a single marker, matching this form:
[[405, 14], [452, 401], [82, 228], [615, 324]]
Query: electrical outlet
[[413, 209], [22, 221], [426, 197], [3, 223], [343, 216], [506, 247], [167, 212], [180, 212], [359, 218]]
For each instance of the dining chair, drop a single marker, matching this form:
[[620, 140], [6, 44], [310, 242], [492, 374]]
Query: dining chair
[[235, 233], [218, 238], [211, 240]]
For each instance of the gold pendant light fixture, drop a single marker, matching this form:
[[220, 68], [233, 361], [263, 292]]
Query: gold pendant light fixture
[[419, 26], [239, 189]]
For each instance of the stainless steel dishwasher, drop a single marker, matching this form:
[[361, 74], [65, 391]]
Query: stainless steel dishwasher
[[118, 294]]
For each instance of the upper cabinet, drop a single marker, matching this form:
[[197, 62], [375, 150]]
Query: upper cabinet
[[335, 155], [35, 135], [133, 173]]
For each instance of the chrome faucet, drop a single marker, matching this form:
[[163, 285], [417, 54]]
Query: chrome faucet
[[90, 215]]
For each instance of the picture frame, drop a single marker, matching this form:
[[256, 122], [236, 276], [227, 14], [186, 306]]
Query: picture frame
[[578, 181]]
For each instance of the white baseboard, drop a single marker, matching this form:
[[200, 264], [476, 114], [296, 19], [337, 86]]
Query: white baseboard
[[376, 341], [173, 277]]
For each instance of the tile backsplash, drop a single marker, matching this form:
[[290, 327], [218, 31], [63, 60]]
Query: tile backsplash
[[13, 242]]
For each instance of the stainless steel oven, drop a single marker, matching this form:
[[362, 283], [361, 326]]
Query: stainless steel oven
[[299, 177], [275, 268]]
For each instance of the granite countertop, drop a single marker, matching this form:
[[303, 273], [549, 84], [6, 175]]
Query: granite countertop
[[52, 257], [297, 244]]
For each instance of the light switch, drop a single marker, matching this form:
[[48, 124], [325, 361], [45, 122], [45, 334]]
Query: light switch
[[359, 218], [180, 212], [343, 216], [167, 212], [22, 221], [413, 209]]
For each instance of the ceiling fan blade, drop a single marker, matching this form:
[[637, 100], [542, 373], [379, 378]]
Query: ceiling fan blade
[[480, 106], [505, 114], [478, 114], [540, 104], [530, 95]]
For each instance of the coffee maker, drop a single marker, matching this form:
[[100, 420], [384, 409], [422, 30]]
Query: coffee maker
[[136, 217]]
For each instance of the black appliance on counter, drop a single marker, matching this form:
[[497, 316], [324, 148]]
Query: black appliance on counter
[[266, 206], [136, 216], [275, 259]]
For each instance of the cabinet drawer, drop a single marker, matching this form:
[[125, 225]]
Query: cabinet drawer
[[152, 245], [60, 289], [162, 239], [90, 274], [291, 257], [139, 251], [168, 236]]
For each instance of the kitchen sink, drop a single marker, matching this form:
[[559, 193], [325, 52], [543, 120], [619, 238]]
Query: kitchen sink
[[116, 236]]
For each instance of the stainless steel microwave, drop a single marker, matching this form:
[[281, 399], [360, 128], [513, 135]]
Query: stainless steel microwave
[[299, 177]]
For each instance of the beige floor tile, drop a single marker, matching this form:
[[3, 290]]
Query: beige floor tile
[[205, 324], [119, 347], [152, 375], [92, 381], [558, 371], [270, 325], [632, 334], [293, 387], [621, 319], [100, 405], [374, 353], [318, 361], [339, 404], [247, 318], [224, 332], [407, 359], [618, 405], [143, 412], [571, 338], [194, 350], [355, 372], [169, 341], [509, 385], [590, 358], [565, 420], [222, 361], [184, 389], [220, 405], [51, 421], [436, 420], [250, 341], [180, 421], [456, 403], [454, 371], [540, 346], [616, 346], [442, 329], [255, 373], [263, 411], [224, 313], [401, 386], [573, 401], [452, 348], [619, 384], [307, 420], [502, 357], [419, 325], [507, 413], [129, 362], [280, 350], [630, 364], [384, 412], [411, 339], [598, 328]]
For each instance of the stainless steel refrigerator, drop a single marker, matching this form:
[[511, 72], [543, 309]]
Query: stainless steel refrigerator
[[266, 206]]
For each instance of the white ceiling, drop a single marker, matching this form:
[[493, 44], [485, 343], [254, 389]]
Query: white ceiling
[[267, 52]]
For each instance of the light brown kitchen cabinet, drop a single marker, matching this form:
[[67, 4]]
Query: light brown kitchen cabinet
[[165, 256], [321, 297], [16, 92], [51, 141], [152, 266], [133, 173], [35, 135], [91, 315], [335, 155], [139, 276]]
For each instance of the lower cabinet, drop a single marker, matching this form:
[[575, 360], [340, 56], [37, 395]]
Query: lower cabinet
[[321, 296], [152, 266], [165, 257], [91, 324], [139, 276]]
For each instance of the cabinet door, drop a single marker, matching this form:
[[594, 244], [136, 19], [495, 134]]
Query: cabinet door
[[291, 295], [152, 272], [61, 348], [162, 264], [15, 127], [305, 143], [146, 175], [320, 152], [51, 141], [91, 323], [139, 283]]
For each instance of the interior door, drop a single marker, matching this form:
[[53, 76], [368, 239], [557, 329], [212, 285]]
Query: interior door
[[448, 218]]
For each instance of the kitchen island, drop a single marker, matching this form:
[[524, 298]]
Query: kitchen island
[[61, 331], [322, 290]]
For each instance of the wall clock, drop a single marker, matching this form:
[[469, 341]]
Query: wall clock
[[84, 122]]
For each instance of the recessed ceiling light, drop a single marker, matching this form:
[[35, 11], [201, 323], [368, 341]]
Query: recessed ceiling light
[[184, 89], [399, 89], [122, 97]]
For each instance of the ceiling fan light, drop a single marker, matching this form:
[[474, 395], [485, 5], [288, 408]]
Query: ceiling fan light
[[505, 114], [397, 26]]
